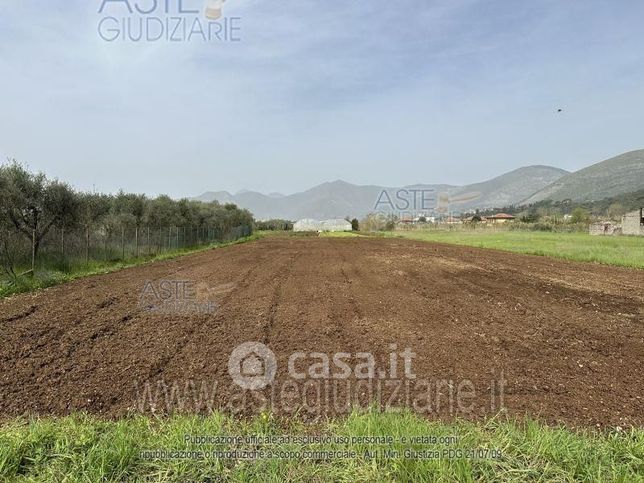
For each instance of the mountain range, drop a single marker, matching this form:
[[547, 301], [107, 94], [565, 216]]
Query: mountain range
[[612, 177], [337, 199]]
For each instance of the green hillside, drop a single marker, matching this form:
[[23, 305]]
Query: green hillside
[[613, 177]]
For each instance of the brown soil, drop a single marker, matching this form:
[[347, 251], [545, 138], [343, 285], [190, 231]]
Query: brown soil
[[557, 340]]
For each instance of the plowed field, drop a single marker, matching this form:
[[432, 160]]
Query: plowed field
[[558, 340]]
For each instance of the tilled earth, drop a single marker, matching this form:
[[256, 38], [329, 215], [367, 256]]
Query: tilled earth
[[489, 331]]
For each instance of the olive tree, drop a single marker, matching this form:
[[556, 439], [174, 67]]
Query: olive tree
[[34, 204]]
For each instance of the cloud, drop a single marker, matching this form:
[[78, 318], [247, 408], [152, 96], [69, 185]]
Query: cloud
[[369, 91]]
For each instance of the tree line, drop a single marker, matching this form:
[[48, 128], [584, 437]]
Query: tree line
[[31, 204], [612, 208]]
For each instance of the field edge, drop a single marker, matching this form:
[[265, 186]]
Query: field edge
[[27, 285], [534, 243], [83, 447]]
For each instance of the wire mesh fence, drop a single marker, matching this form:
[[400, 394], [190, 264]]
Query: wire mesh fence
[[61, 249]]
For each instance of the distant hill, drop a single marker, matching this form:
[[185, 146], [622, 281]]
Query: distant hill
[[508, 188], [613, 177], [221, 196], [608, 208], [338, 199]]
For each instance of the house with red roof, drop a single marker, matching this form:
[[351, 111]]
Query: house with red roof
[[499, 218]]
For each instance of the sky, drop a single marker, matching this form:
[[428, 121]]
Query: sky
[[368, 91]]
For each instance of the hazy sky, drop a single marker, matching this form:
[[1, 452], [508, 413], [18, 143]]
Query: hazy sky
[[369, 91]]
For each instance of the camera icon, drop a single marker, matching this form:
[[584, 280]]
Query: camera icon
[[252, 366]]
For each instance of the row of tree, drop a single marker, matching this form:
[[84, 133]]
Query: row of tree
[[32, 204], [612, 208], [275, 224]]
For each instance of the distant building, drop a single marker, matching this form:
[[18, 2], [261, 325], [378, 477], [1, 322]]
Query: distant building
[[451, 220], [633, 223], [604, 228], [309, 224], [419, 218], [499, 218]]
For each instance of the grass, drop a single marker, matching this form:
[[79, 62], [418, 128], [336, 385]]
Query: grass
[[84, 448], [49, 278], [87, 449], [611, 250], [339, 234]]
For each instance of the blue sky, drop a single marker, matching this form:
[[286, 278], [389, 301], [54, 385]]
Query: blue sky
[[369, 91]]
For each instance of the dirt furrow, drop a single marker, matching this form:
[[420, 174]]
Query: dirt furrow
[[567, 337]]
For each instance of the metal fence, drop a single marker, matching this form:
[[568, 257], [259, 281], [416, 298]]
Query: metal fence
[[60, 248]]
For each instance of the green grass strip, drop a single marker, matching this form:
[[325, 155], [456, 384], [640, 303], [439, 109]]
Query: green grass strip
[[84, 448], [49, 278], [623, 251]]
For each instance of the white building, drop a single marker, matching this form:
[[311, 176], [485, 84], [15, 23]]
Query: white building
[[308, 224], [633, 223]]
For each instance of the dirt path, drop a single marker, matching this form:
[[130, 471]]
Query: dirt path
[[559, 340]]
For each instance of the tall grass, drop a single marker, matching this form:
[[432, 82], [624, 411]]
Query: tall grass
[[612, 250], [61, 271], [83, 448]]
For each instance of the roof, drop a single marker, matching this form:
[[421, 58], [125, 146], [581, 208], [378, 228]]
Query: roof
[[501, 216]]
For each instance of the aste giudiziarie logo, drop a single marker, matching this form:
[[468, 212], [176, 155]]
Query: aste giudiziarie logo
[[167, 21], [176, 297]]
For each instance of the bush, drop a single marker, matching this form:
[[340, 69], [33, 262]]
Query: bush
[[549, 226], [274, 225], [579, 215]]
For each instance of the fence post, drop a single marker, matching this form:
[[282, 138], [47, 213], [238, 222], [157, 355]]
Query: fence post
[[33, 252], [136, 237], [149, 241], [62, 241], [123, 243], [177, 237], [87, 244]]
